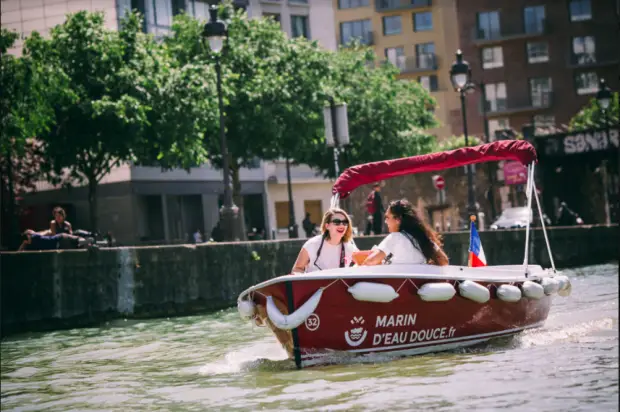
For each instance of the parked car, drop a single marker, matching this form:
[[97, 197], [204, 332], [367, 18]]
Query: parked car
[[513, 218]]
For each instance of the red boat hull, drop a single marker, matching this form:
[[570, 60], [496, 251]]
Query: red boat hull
[[406, 325]]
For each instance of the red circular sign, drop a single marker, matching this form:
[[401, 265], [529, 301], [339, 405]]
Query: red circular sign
[[439, 182]]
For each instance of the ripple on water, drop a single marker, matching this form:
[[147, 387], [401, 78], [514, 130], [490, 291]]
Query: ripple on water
[[218, 362]]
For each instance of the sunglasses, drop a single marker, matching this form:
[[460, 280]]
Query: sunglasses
[[338, 222]]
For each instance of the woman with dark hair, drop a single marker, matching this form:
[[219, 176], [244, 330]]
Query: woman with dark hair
[[411, 240], [60, 225], [333, 248]]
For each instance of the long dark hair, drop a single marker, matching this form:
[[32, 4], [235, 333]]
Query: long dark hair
[[427, 238]]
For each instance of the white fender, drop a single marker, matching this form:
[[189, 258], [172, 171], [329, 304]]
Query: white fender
[[373, 292], [509, 293], [565, 285], [550, 285], [246, 309], [291, 321], [532, 290], [474, 291], [436, 292]]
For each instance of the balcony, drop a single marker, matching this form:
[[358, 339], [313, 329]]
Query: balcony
[[503, 107], [415, 64], [591, 60], [390, 5], [483, 37], [367, 39]]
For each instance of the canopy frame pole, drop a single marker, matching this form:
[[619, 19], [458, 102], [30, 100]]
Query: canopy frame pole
[[335, 201], [542, 221], [528, 192]]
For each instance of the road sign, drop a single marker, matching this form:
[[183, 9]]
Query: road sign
[[439, 182]]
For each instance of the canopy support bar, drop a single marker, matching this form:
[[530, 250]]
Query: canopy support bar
[[542, 220], [528, 192]]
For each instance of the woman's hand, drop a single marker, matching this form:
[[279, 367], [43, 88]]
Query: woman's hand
[[375, 258]]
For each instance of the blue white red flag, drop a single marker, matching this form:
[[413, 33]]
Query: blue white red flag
[[476, 253]]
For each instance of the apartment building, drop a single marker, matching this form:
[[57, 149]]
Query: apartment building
[[417, 36], [536, 61]]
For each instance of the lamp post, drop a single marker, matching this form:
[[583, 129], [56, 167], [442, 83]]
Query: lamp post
[[336, 122], [215, 32], [460, 74], [604, 100]]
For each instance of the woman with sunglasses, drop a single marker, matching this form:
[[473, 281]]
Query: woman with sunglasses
[[331, 249], [410, 239]]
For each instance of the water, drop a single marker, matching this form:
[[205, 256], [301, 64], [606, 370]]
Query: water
[[217, 362]]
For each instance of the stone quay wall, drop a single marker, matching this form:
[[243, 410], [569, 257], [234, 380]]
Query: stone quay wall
[[59, 289]]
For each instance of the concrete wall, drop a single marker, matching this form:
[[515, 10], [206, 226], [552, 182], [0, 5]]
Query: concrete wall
[[46, 290]]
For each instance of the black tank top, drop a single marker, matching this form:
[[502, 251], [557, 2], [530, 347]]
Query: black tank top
[[64, 228]]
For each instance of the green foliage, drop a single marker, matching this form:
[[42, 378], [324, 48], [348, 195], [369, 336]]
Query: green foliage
[[456, 142], [592, 116], [387, 117]]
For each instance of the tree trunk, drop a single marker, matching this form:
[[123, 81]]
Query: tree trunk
[[240, 230], [92, 204]]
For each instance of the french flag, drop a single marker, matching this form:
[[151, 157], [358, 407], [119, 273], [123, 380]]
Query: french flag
[[476, 253]]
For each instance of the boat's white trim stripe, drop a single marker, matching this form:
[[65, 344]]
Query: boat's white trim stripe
[[448, 340]]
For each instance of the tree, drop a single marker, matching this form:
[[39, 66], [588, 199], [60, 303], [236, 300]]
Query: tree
[[456, 142], [592, 115], [387, 117], [120, 101], [25, 111]]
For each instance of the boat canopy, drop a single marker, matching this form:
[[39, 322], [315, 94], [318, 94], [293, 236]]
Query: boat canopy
[[359, 175]]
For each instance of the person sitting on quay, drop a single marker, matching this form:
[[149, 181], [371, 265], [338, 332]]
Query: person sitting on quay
[[60, 224], [32, 240]]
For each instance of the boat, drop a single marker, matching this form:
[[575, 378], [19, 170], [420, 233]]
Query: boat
[[407, 309]]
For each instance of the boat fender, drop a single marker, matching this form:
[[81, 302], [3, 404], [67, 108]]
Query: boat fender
[[474, 291], [373, 292], [436, 292], [246, 309], [532, 290], [291, 321], [550, 285], [509, 293], [565, 285]]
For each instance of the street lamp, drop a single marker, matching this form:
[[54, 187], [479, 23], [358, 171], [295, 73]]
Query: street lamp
[[460, 75], [215, 32], [604, 100]]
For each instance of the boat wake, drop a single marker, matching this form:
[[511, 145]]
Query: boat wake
[[263, 355]]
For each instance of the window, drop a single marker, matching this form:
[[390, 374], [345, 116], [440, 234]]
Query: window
[[360, 29], [299, 26], [544, 120], [580, 10], [497, 125], [315, 209], [158, 16], [537, 52], [430, 83], [282, 215], [496, 96], [584, 50], [396, 56], [199, 9], [534, 19], [351, 4], [423, 21], [488, 25], [274, 16], [492, 57], [586, 83], [392, 25], [425, 55], [540, 91]]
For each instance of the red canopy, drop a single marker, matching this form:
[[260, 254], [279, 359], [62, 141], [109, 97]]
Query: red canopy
[[359, 175]]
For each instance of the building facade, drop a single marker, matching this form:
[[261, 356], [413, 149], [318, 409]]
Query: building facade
[[536, 61], [417, 36]]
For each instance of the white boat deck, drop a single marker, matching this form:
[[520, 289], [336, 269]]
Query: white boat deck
[[504, 274]]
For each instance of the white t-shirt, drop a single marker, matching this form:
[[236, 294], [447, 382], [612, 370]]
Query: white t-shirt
[[330, 254], [401, 249]]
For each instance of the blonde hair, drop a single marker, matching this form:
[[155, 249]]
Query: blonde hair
[[327, 218]]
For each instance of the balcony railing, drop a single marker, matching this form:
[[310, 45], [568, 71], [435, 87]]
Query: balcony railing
[[413, 64], [596, 59], [367, 38], [484, 36], [537, 101], [389, 5]]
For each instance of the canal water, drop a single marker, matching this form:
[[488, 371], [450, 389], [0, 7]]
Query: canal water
[[217, 362]]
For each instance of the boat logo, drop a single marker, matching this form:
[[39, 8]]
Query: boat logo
[[313, 322], [356, 335]]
